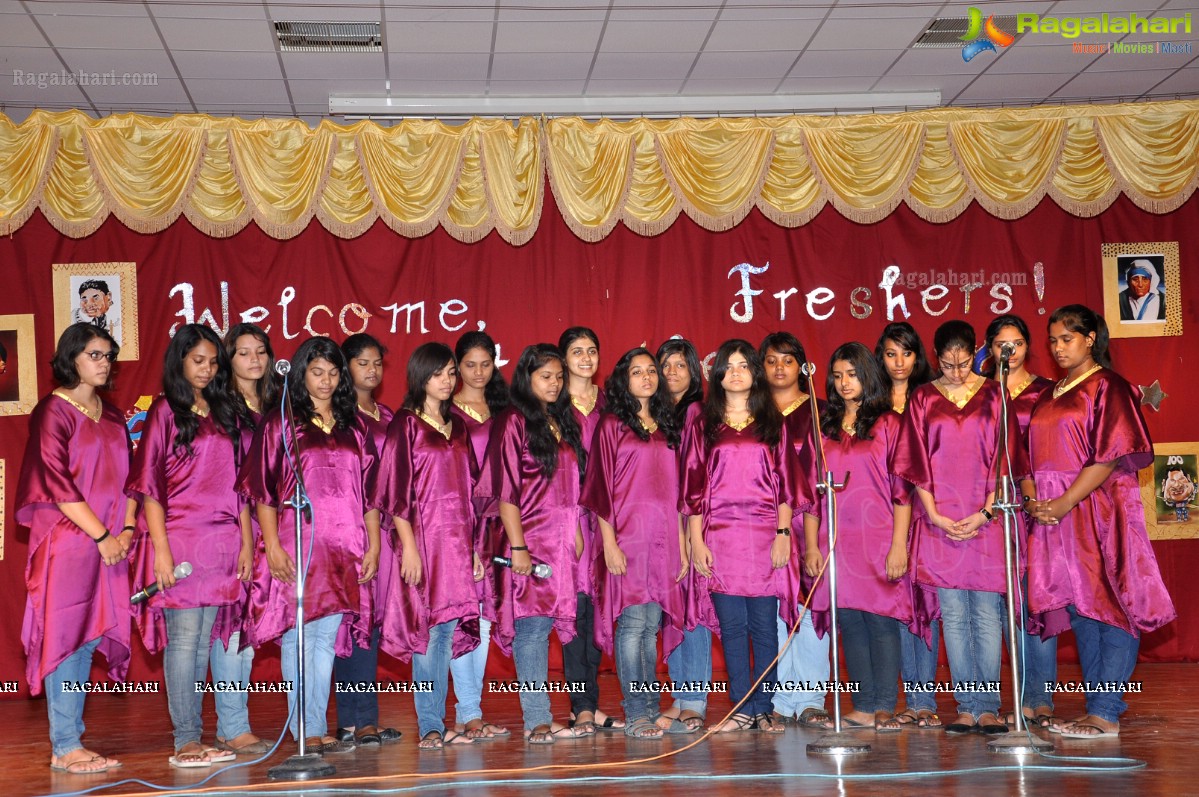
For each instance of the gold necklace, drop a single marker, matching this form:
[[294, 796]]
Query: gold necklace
[[443, 428], [91, 414], [365, 411], [1059, 389], [737, 427], [650, 427], [848, 426], [554, 428], [322, 424], [203, 413], [470, 411], [250, 405]]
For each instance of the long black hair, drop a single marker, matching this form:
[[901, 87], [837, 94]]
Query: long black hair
[[695, 392], [542, 444], [904, 334], [267, 386], [344, 401], [876, 392], [997, 325], [495, 393], [1083, 320], [625, 407], [425, 362], [785, 343], [768, 421], [182, 397], [71, 344]]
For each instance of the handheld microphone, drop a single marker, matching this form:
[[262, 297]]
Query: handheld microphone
[[540, 569], [1006, 350], [282, 367], [182, 570]]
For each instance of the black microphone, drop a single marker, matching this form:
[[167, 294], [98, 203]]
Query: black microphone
[[282, 367], [1006, 350], [182, 570], [540, 569]]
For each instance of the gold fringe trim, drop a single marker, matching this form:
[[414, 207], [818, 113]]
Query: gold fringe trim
[[36, 197], [596, 233], [866, 215], [1146, 203], [730, 219], [410, 229], [1009, 211]]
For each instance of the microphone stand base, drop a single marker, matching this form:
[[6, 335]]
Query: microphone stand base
[[1019, 742], [838, 744], [309, 766]]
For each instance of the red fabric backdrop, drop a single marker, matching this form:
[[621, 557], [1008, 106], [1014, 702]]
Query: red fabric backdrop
[[629, 289]]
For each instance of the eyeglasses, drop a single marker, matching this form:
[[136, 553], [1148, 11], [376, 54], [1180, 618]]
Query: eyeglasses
[[97, 356], [955, 366]]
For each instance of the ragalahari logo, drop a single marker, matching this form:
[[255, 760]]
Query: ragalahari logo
[[981, 36]]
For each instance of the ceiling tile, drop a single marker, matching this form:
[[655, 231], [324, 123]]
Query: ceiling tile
[[825, 85], [356, 66], [1184, 82], [757, 10], [857, 34], [935, 62], [41, 89], [649, 37], [115, 31], [440, 66], [325, 11], [1122, 62], [537, 88], [772, 64], [427, 37], [443, 11], [17, 29], [748, 36], [216, 10], [130, 96], [144, 62], [227, 66], [833, 63], [317, 91], [1024, 58], [1111, 85], [521, 66], [416, 87], [542, 37], [948, 85], [27, 60], [236, 94], [730, 85], [225, 35], [998, 89], [650, 86], [667, 66]]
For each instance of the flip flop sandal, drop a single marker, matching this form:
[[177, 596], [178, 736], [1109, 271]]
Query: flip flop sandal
[[609, 724], [71, 770], [218, 756], [677, 726], [453, 737], [541, 737], [570, 733], [188, 761], [741, 722], [638, 727], [882, 728], [430, 737], [1077, 735], [253, 748], [808, 719], [908, 718], [855, 724], [926, 715], [694, 722]]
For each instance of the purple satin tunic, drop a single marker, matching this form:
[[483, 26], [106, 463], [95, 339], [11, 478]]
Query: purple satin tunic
[[337, 468], [631, 484], [1098, 558], [231, 618], [71, 458], [201, 508], [549, 514], [426, 480], [485, 511], [593, 543]]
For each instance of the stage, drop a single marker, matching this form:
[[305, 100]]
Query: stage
[[1159, 730]]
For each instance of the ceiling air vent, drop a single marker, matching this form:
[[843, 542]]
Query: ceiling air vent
[[948, 31], [329, 37]]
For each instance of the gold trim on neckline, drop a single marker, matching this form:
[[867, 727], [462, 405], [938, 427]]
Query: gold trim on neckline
[[470, 412], [442, 428], [1061, 390], [965, 399], [322, 424], [376, 414], [251, 407], [1020, 388], [588, 409], [650, 427], [737, 427], [794, 405], [195, 410], [86, 412], [554, 429]]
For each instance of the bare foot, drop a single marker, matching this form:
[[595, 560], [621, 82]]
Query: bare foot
[[885, 721], [81, 762]]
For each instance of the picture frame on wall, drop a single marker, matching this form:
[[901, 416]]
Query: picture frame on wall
[[18, 365], [1170, 492], [103, 294], [1142, 296]]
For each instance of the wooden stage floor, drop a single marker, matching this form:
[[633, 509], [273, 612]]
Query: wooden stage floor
[[1159, 729]]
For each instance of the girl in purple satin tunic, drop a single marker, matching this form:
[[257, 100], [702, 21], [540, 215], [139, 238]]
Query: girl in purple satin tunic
[[425, 485], [184, 474], [860, 432], [900, 353], [70, 496], [482, 395], [736, 488], [580, 657], [533, 468], [1090, 552], [358, 712], [337, 458], [1037, 656], [949, 451], [805, 659], [632, 479]]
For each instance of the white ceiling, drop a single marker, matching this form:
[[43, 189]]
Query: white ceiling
[[221, 57]]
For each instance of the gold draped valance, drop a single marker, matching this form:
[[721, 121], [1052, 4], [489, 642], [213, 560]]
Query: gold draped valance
[[490, 174]]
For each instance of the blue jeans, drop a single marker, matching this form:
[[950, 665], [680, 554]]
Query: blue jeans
[[748, 623], [871, 644], [320, 636], [467, 672], [1107, 654], [805, 659], [692, 661], [433, 665], [358, 709], [184, 664], [66, 707], [972, 642], [636, 648], [1037, 658], [918, 664], [231, 666], [531, 654]]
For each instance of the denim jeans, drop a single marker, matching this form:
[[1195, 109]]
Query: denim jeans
[[636, 648], [232, 666], [184, 663], [1037, 658], [581, 658], [531, 654], [357, 709], [871, 644], [467, 672], [433, 665], [319, 638], [748, 623], [66, 707], [1107, 654], [692, 661], [918, 664], [805, 659], [972, 642]]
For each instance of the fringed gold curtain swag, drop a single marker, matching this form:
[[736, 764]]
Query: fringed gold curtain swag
[[489, 174]]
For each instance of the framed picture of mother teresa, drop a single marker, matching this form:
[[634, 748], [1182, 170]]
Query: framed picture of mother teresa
[[1141, 290], [102, 294]]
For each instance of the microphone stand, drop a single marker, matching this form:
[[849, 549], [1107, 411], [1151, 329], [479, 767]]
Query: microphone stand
[[837, 742], [303, 765], [1017, 740]]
